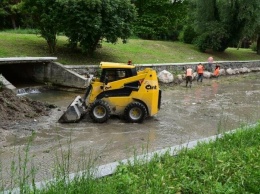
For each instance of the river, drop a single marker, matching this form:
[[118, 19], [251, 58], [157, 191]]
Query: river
[[187, 114]]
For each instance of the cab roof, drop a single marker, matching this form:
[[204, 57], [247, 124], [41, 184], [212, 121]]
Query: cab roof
[[110, 65]]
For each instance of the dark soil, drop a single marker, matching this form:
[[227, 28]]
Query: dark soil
[[15, 109]]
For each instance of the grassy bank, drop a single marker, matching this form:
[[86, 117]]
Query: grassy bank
[[227, 165], [139, 51]]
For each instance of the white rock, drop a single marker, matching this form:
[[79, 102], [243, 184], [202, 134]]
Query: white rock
[[222, 72], [165, 76], [207, 74], [230, 71], [244, 70], [236, 71]]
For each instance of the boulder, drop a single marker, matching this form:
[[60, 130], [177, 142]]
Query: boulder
[[194, 75], [236, 71], [179, 79], [207, 74], [222, 72], [165, 76], [244, 70], [255, 69], [230, 71]]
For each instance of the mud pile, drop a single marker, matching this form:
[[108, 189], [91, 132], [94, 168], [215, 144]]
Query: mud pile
[[15, 108]]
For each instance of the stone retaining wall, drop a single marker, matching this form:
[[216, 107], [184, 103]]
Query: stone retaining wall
[[171, 67]]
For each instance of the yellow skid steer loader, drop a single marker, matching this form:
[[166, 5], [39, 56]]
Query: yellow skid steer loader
[[121, 90]]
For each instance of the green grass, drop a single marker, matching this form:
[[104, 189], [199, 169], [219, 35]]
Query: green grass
[[139, 51]]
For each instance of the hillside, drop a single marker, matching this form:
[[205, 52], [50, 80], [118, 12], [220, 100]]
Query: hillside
[[139, 51]]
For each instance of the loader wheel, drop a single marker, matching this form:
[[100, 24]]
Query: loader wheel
[[99, 111], [135, 112]]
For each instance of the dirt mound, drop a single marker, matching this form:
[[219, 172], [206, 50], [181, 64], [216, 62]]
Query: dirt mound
[[15, 108]]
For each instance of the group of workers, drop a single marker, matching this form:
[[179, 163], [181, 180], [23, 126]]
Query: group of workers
[[200, 70]]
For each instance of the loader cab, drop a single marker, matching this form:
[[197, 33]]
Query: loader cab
[[110, 75]]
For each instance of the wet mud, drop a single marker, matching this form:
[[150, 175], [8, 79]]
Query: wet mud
[[187, 114]]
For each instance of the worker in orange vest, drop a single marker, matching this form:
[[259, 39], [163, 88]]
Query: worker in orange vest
[[188, 76], [200, 70], [216, 71]]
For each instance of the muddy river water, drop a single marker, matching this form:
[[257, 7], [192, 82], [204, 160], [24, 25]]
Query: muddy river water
[[186, 114]]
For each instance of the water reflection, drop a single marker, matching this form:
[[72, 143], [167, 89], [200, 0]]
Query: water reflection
[[215, 86], [57, 97]]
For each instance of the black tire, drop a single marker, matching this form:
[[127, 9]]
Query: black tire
[[99, 111], [135, 112]]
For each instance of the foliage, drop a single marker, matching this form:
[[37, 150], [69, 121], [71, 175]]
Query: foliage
[[10, 13], [189, 34], [216, 38], [46, 15], [160, 19], [88, 22], [236, 19], [253, 46]]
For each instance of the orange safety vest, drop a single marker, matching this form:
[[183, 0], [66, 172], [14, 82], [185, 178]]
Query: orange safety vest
[[200, 69], [189, 72], [216, 72]]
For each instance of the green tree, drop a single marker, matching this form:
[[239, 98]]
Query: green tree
[[212, 32], [258, 44], [220, 23], [251, 18], [87, 22], [10, 12], [160, 19], [46, 15]]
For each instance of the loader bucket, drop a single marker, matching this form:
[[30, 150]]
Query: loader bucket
[[74, 111]]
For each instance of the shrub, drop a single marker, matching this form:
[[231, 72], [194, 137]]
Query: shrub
[[253, 46], [189, 35], [215, 37]]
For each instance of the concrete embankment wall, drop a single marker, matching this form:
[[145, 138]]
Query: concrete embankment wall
[[172, 67], [18, 70], [6, 83], [56, 74]]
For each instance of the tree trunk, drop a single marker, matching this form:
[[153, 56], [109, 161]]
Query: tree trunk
[[258, 45], [52, 45], [13, 21], [239, 44]]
